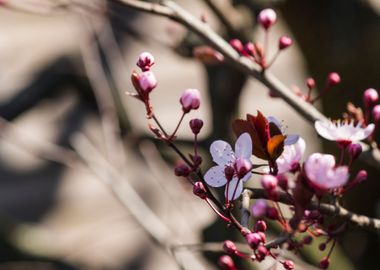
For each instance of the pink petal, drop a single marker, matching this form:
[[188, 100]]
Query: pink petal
[[364, 133], [215, 177]]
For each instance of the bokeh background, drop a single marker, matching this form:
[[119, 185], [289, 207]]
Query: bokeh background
[[63, 74]]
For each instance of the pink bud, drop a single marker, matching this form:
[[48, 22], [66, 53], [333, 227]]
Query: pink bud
[[307, 240], [197, 160], [322, 246], [147, 81], [324, 263], [284, 42], [199, 190], [182, 170], [269, 182], [267, 17], [333, 79], [226, 263], [196, 125], [250, 49], [310, 83], [272, 213], [253, 240], [229, 247], [354, 149], [260, 226], [262, 236], [243, 166], [283, 181], [259, 208], [376, 114], [261, 253], [145, 61], [288, 265], [229, 172], [361, 176], [237, 45], [370, 97], [190, 100]]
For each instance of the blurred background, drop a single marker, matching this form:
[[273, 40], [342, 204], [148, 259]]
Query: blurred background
[[83, 184]]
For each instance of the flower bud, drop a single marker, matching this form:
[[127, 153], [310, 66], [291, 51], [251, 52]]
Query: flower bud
[[196, 125], [226, 263], [237, 45], [283, 181], [322, 246], [269, 182], [272, 213], [361, 176], [197, 160], [182, 170], [307, 240], [324, 263], [370, 97], [229, 247], [261, 253], [190, 100], [145, 61], [253, 240], [310, 83], [284, 42], [288, 265], [267, 17], [147, 81], [354, 150], [229, 172], [333, 79], [243, 166], [260, 226], [376, 114], [262, 236], [259, 208], [200, 190], [250, 49]]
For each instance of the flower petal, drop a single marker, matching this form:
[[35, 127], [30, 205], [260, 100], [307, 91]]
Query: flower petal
[[221, 153], [339, 178], [362, 134], [243, 146], [325, 129], [234, 184], [291, 139], [215, 177], [246, 177]]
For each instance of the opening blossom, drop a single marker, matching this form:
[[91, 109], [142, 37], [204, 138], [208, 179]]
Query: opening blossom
[[290, 158], [323, 175], [343, 132], [233, 168]]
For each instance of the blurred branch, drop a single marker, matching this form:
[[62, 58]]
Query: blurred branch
[[324, 208], [309, 112]]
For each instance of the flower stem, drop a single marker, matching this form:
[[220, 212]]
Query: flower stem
[[216, 211], [179, 123]]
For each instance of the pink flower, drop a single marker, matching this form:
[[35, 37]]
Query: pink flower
[[343, 131], [145, 61], [267, 17], [291, 156], [147, 81], [230, 163], [322, 174], [190, 100]]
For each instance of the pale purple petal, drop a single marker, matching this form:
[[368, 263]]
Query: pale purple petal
[[291, 139], [247, 177], [215, 177], [243, 146], [338, 178], [235, 183], [222, 153], [274, 120]]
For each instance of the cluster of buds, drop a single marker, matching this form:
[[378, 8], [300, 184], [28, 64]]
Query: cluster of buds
[[257, 52]]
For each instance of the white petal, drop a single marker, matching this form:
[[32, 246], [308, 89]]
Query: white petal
[[243, 146], [221, 153], [215, 177], [291, 139], [235, 183], [364, 133], [325, 129], [339, 178]]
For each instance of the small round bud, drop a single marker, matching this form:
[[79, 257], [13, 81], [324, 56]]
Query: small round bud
[[376, 114], [243, 166], [269, 182], [182, 170], [197, 160], [361, 176], [262, 236], [145, 61], [283, 181], [267, 17], [322, 246], [237, 45], [190, 100], [259, 208], [260, 226], [324, 263], [196, 125], [333, 79], [272, 213], [229, 247], [147, 81], [199, 190], [250, 49], [284, 42], [226, 263], [261, 253], [288, 264], [370, 97], [253, 240], [307, 240], [310, 83], [354, 149]]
